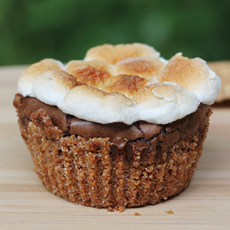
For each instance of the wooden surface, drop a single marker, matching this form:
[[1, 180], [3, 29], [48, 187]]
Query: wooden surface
[[26, 204]]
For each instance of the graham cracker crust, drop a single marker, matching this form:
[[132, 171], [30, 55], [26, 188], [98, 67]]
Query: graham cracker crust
[[95, 172]]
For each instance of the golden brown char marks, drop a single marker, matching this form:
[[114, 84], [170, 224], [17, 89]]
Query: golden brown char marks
[[144, 67], [93, 73], [126, 84]]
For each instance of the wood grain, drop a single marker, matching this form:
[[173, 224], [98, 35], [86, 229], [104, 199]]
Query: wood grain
[[26, 204]]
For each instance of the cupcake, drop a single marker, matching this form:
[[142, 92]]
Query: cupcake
[[121, 128], [222, 68]]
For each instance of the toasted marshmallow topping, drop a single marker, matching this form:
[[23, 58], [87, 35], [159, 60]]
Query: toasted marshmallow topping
[[96, 105], [113, 54], [163, 103], [123, 83], [222, 68], [193, 75], [52, 86], [28, 77]]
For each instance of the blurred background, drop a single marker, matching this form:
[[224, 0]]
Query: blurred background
[[65, 29]]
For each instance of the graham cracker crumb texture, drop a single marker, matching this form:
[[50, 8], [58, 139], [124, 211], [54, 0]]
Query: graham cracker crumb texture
[[88, 172]]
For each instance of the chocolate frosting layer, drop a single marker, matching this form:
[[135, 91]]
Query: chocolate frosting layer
[[119, 133]]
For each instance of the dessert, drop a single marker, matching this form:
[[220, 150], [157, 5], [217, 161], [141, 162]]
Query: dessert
[[222, 68], [122, 128]]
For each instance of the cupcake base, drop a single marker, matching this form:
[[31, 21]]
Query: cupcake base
[[94, 171]]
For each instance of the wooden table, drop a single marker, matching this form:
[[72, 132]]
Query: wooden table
[[26, 204]]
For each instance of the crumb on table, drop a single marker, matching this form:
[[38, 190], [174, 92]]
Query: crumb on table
[[137, 214], [119, 208], [169, 212], [110, 209]]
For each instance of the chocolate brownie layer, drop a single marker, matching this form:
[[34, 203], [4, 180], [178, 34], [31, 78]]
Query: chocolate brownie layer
[[113, 165], [119, 133], [222, 104]]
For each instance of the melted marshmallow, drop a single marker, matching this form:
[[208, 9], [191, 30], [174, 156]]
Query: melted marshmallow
[[163, 92]]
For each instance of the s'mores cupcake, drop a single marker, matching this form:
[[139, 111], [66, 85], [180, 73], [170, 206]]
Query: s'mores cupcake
[[222, 68], [121, 128]]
